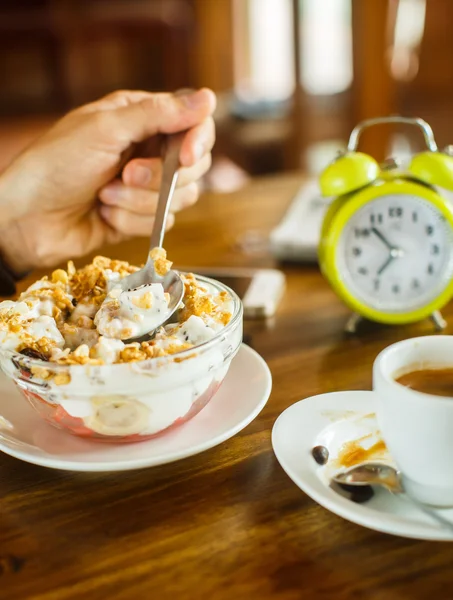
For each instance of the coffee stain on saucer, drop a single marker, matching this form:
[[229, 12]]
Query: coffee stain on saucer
[[368, 416], [338, 415], [353, 453]]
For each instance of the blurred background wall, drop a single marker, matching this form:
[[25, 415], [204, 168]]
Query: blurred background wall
[[293, 76]]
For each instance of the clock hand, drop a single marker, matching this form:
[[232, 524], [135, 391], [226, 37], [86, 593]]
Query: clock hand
[[394, 253], [382, 238], [386, 264]]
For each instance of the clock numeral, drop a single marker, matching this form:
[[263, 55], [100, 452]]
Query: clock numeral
[[372, 219], [361, 232], [395, 211], [362, 271], [357, 251], [414, 217], [379, 218], [415, 284], [376, 283], [396, 288], [429, 230], [430, 268], [435, 249]]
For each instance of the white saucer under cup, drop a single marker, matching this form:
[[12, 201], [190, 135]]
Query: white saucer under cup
[[332, 420], [241, 397]]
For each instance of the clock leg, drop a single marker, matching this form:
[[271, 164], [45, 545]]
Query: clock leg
[[438, 320], [353, 321]]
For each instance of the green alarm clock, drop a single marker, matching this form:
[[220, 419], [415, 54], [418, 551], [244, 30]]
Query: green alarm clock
[[386, 243]]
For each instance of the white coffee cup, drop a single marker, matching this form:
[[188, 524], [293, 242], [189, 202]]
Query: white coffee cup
[[417, 427]]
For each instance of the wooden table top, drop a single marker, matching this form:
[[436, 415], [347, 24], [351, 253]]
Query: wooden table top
[[227, 523]]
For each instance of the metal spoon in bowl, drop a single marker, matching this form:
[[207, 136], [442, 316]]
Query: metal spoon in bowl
[[388, 477], [171, 281]]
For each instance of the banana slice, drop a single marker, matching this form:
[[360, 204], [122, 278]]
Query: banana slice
[[116, 415]]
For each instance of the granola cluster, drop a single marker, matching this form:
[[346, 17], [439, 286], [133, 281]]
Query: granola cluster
[[55, 319], [161, 264], [89, 284]]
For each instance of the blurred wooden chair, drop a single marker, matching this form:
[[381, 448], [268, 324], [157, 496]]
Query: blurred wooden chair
[[374, 90], [153, 40], [30, 25]]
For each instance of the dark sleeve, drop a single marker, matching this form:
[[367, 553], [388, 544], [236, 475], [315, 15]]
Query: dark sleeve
[[7, 280]]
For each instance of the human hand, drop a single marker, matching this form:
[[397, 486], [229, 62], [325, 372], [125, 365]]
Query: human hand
[[61, 198]]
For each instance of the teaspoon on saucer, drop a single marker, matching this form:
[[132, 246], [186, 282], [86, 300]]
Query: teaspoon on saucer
[[370, 474]]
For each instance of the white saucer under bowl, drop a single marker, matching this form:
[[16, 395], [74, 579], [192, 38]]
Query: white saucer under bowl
[[241, 397], [333, 420]]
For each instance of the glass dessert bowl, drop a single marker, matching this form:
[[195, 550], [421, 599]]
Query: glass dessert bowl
[[135, 399]]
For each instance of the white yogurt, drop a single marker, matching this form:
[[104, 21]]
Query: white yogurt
[[193, 331], [132, 313], [32, 323]]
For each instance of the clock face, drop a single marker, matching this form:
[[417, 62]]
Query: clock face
[[395, 254]]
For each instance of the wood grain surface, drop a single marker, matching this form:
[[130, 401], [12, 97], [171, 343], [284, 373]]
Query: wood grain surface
[[227, 523]]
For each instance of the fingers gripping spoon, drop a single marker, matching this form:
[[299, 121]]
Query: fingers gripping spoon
[[152, 272]]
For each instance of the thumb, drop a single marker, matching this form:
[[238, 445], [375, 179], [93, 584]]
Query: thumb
[[160, 113]]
